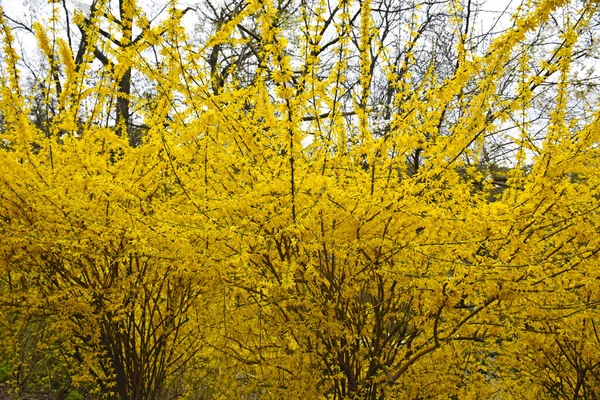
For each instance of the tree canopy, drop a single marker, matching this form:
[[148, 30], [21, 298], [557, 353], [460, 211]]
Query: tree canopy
[[353, 200]]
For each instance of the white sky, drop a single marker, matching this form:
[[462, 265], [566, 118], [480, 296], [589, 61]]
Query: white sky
[[28, 11]]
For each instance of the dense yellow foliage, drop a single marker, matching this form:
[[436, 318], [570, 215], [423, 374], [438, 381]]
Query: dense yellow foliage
[[261, 242]]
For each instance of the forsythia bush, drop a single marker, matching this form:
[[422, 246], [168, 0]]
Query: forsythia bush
[[256, 239]]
